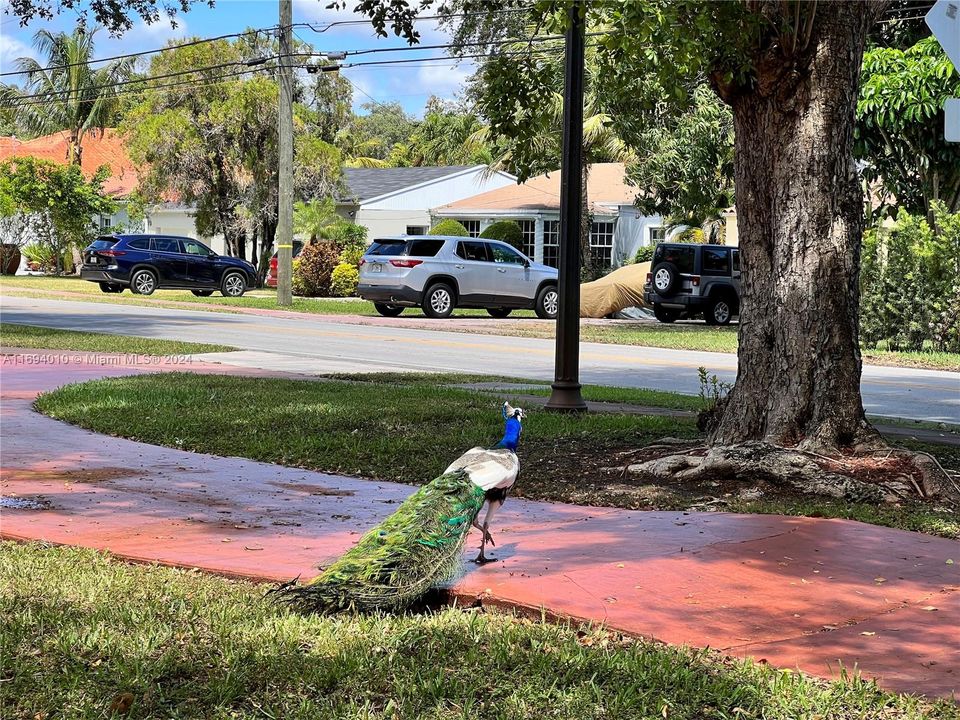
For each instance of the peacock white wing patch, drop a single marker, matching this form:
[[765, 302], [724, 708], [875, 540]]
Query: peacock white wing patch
[[488, 469]]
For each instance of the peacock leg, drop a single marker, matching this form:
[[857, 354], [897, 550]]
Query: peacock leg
[[492, 508]]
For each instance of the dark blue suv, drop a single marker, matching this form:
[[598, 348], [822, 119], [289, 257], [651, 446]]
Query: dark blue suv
[[145, 263]]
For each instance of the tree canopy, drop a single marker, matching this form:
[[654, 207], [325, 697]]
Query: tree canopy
[[899, 128], [116, 15]]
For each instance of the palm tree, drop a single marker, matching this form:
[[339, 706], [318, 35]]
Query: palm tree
[[73, 95], [316, 219]]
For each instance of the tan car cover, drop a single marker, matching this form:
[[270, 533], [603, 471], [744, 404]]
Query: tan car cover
[[620, 289]]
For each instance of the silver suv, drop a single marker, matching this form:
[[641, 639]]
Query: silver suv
[[687, 279], [439, 273]]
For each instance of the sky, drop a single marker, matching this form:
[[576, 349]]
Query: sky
[[411, 85]]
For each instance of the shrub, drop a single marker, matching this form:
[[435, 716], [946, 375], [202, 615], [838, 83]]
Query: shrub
[[352, 254], [690, 235], [315, 268], [297, 285], [42, 255], [449, 227], [908, 283], [344, 279], [644, 253], [506, 231]]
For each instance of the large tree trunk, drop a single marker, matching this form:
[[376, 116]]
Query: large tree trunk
[[800, 214]]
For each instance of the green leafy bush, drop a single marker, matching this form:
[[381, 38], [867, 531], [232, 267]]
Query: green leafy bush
[[315, 269], [43, 255], [644, 253], [449, 227], [690, 235], [351, 254], [298, 287], [344, 280], [909, 288], [507, 231]]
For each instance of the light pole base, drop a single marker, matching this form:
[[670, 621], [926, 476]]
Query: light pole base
[[566, 398]]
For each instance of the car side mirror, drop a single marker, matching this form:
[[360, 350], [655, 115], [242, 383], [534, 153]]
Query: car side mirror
[[212, 256], [526, 263]]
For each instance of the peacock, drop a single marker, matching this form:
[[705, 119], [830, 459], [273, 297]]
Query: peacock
[[420, 545]]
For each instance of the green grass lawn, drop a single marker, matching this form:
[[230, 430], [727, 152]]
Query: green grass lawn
[[697, 337], [84, 633], [409, 427], [30, 336]]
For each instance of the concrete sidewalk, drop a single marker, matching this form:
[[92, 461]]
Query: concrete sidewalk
[[797, 592]]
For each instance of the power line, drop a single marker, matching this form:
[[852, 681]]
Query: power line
[[256, 31], [224, 77], [133, 81], [46, 99], [191, 43]]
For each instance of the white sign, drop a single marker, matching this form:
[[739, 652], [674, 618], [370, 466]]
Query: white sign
[[951, 125], [944, 21]]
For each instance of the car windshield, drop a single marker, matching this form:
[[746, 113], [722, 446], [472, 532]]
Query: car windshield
[[103, 243], [387, 247]]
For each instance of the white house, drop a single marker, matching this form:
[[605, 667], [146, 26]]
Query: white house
[[397, 201], [617, 230]]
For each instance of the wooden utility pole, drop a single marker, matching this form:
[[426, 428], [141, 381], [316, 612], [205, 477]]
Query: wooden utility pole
[[566, 386], [285, 174]]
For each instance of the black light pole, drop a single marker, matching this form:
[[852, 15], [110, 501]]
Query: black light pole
[[566, 386]]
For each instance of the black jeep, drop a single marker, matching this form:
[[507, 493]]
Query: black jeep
[[688, 279]]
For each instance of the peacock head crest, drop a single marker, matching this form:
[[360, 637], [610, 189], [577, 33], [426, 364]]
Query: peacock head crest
[[511, 412]]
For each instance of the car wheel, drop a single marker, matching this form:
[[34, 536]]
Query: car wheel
[[438, 302], [665, 315], [110, 288], [143, 282], [548, 302], [388, 310], [665, 279], [499, 312], [202, 293], [718, 312], [233, 285]]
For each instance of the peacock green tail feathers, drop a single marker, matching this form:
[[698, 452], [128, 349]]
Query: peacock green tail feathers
[[417, 547]]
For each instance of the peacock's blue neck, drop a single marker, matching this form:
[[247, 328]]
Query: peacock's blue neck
[[511, 435]]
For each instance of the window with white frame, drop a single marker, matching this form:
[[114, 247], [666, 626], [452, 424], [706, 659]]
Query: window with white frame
[[417, 229], [105, 222], [529, 243], [658, 234], [551, 243], [601, 243], [472, 226]]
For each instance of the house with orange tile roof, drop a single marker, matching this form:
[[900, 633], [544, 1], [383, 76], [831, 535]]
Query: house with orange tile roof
[[107, 148]]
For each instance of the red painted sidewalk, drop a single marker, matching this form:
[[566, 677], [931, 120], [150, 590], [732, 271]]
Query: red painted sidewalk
[[798, 592]]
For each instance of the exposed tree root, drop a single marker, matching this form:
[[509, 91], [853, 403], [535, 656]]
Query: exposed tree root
[[889, 476]]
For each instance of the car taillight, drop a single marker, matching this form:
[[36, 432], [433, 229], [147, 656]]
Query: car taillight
[[649, 278], [406, 263], [362, 262], [695, 280], [273, 263], [112, 253]]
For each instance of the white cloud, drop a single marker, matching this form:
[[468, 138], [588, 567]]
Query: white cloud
[[10, 49], [444, 80], [141, 37]]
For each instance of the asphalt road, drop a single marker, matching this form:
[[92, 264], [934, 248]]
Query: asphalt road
[[315, 345]]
